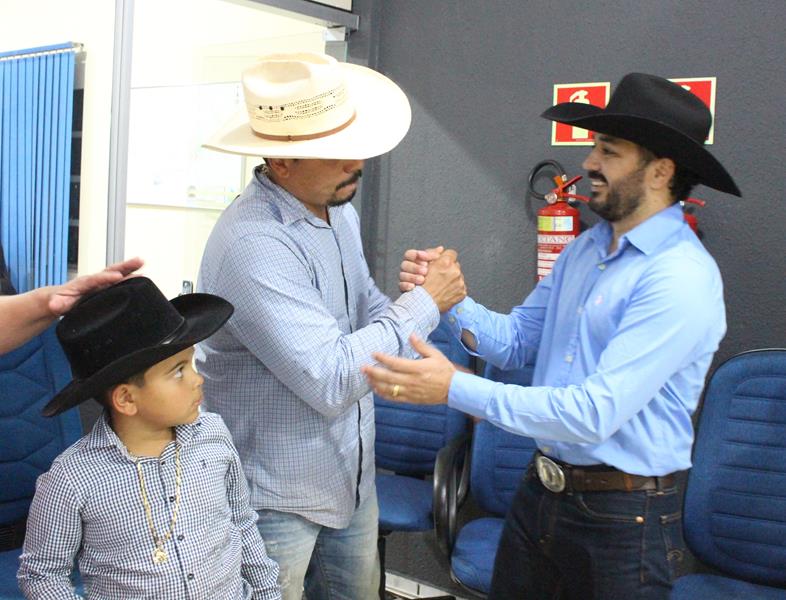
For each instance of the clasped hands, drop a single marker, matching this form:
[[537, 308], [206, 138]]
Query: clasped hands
[[424, 381]]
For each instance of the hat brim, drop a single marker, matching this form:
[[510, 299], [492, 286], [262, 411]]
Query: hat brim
[[656, 136], [203, 315], [382, 119]]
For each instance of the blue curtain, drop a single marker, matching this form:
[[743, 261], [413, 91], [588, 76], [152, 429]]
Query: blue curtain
[[36, 108]]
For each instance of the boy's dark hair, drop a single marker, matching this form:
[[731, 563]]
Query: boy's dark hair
[[105, 397], [682, 182]]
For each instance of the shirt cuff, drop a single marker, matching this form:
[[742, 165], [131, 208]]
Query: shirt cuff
[[470, 393], [460, 317], [421, 306]]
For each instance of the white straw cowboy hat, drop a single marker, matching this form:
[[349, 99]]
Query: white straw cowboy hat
[[308, 105]]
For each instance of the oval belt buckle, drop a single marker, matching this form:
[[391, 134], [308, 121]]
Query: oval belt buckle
[[550, 474]]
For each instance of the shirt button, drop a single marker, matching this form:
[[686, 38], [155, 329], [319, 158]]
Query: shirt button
[[190, 576], [568, 358], [459, 310], [163, 462], [181, 537], [580, 309], [452, 319], [602, 266], [546, 449], [171, 498]]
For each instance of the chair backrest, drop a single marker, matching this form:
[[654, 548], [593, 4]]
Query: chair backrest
[[499, 458], [29, 442], [735, 499], [409, 436]]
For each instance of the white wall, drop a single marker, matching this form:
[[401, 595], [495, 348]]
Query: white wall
[[189, 43]]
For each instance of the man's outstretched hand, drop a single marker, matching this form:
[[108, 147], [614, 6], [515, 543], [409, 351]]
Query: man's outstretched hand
[[423, 381]]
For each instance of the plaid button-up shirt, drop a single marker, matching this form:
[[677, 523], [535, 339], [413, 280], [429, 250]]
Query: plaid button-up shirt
[[285, 370], [88, 506]]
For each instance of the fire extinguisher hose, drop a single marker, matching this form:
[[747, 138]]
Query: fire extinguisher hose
[[534, 173]]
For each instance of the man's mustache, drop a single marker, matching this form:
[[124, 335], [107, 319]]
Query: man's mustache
[[596, 175], [355, 176]]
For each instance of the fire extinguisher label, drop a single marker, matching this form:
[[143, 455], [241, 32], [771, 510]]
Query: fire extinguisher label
[[547, 223], [544, 238]]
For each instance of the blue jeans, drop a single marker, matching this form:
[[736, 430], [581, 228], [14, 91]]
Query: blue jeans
[[591, 545], [330, 564]]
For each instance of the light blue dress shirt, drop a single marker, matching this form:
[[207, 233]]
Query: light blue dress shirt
[[621, 343], [284, 372]]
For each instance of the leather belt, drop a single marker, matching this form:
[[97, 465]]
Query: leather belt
[[557, 476], [12, 535]]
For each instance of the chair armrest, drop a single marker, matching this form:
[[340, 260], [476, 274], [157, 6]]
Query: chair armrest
[[451, 481]]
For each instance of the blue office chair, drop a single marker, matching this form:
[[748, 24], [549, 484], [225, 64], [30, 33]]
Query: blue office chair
[[498, 462], [29, 377], [735, 500], [408, 438]]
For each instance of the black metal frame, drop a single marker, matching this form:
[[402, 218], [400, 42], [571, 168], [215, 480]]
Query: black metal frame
[[451, 486]]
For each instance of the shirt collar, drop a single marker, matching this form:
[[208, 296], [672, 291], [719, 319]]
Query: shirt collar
[[646, 236], [289, 208], [103, 436], [650, 234]]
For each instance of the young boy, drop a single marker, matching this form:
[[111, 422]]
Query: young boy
[[153, 502]]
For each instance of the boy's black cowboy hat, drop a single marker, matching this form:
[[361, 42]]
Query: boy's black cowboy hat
[[659, 115], [125, 329]]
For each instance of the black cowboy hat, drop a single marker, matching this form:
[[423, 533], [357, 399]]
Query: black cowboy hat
[[659, 115], [125, 329]]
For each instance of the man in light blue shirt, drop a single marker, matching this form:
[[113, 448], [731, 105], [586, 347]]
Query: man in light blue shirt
[[622, 334], [285, 373]]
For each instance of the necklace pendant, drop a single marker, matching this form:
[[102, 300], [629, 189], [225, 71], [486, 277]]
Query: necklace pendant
[[159, 556]]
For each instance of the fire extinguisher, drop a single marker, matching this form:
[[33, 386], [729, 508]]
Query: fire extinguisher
[[558, 221], [690, 216]]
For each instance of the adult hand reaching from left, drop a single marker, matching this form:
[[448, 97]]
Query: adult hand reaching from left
[[423, 381], [63, 297], [28, 314]]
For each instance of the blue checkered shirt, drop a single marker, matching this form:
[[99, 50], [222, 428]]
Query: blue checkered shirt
[[88, 506], [285, 370]]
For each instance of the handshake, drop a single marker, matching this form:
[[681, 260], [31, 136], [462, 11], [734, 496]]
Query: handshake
[[438, 271]]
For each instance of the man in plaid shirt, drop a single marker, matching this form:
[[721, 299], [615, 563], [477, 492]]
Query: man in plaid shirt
[[285, 371]]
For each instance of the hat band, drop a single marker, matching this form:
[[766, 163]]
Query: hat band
[[310, 136], [168, 339]]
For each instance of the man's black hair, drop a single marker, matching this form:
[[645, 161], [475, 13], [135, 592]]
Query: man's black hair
[[682, 182]]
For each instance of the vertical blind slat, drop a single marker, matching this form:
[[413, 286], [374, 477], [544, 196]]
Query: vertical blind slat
[[36, 109]]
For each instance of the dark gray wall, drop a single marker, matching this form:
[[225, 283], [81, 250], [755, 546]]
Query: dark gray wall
[[479, 72]]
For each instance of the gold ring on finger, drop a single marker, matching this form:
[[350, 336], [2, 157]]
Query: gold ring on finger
[[394, 392]]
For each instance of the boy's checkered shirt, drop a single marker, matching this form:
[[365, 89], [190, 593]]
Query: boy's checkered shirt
[[88, 507]]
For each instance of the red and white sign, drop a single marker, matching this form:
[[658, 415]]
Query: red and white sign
[[704, 88], [596, 93]]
